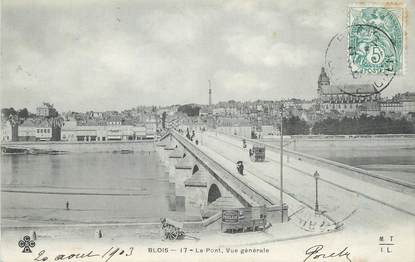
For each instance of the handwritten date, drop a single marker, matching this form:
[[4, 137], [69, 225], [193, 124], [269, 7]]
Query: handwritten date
[[106, 256]]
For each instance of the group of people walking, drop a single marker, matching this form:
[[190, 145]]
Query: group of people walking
[[190, 137]]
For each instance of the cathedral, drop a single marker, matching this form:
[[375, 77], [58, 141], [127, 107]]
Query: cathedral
[[346, 98]]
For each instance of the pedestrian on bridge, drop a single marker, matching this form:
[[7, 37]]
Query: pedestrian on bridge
[[240, 167]]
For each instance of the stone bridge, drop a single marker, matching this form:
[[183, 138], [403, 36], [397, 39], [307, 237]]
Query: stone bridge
[[201, 187]]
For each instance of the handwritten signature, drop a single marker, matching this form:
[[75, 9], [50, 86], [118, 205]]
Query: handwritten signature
[[315, 252], [107, 256]]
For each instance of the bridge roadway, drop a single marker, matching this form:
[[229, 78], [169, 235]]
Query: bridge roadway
[[306, 169], [250, 185], [343, 198], [230, 179]]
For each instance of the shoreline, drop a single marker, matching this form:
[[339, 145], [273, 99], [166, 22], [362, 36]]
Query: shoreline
[[11, 143], [63, 147]]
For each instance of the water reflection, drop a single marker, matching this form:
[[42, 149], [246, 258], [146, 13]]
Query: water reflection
[[101, 187]]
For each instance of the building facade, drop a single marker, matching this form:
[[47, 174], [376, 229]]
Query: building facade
[[42, 111], [345, 98], [8, 131], [234, 126], [408, 102], [34, 130], [111, 131]]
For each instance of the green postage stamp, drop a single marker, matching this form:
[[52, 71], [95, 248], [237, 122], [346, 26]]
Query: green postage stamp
[[376, 39]]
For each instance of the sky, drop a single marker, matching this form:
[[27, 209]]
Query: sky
[[111, 55]]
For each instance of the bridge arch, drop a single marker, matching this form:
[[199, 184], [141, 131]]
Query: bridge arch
[[214, 193], [195, 169]]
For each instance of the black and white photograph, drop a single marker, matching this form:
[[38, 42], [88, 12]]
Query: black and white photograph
[[207, 130]]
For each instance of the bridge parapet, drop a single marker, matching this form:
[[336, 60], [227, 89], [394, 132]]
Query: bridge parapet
[[399, 185], [202, 186]]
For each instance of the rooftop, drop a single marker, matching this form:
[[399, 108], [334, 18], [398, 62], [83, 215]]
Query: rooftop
[[362, 89], [35, 123]]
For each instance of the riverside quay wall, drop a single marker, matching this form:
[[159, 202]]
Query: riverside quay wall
[[80, 147]]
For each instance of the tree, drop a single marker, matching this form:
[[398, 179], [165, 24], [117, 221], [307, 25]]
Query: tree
[[56, 124], [189, 110], [295, 126], [363, 125], [23, 113], [7, 112]]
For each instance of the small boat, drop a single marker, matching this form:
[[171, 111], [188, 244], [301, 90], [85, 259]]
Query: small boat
[[13, 150], [125, 151], [56, 152]]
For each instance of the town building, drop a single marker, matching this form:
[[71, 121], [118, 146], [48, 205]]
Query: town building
[[391, 106], [234, 126], [42, 110], [204, 112], [139, 132], [8, 131], [369, 108], [151, 128], [34, 130], [111, 130], [343, 98], [408, 102], [119, 133]]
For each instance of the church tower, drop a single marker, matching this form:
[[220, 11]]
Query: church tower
[[323, 79]]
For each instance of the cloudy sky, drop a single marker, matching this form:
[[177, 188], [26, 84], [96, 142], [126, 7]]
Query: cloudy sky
[[101, 55]]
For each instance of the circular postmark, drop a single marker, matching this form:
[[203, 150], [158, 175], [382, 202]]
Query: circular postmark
[[366, 68], [364, 58]]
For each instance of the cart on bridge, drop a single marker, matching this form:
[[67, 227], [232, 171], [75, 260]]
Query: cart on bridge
[[257, 153]]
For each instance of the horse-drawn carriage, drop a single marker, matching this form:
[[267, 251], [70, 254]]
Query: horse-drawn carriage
[[257, 153], [171, 229], [244, 219]]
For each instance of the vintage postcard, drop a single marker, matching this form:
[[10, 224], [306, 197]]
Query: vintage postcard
[[180, 130]]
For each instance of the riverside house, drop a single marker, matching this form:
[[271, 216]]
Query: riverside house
[[8, 131], [106, 131], [34, 130]]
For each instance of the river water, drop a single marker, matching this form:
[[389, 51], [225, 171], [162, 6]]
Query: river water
[[99, 188], [393, 158]]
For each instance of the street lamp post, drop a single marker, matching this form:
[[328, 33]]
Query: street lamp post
[[316, 176], [281, 164], [216, 125]]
